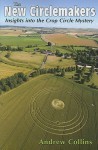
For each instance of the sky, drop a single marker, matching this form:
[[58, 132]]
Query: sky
[[47, 3]]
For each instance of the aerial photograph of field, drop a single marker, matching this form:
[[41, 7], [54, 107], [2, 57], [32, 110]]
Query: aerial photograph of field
[[48, 88]]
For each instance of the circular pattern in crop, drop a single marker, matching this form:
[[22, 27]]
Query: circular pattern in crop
[[60, 112]]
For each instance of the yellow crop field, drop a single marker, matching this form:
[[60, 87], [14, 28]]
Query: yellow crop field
[[10, 32], [27, 57], [7, 70], [64, 39], [23, 59]]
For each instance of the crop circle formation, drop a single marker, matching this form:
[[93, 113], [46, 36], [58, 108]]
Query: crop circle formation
[[58, 104], [56, 113]]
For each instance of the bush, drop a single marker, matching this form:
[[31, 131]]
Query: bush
[[49, 44], [7, 55]]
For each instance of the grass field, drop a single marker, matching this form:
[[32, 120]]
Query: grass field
[[54, 61], [27, 115], [14, 63], [63, 39], [7, 70], [21, 63], [27, 57], [94, 79], [21, 41], [79, 48]]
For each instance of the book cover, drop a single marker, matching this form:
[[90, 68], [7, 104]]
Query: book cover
[[49, 75]]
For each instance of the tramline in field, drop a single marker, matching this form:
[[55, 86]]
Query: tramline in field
[[48, 108]]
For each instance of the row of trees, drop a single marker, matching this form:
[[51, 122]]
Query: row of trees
[[9, 48], [12, 82], [30, 46], [57, 71]]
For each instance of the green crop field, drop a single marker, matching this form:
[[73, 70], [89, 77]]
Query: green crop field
[[21, 41], [48, 107]]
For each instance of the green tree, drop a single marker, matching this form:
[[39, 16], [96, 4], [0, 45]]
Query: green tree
[[63, 72]]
